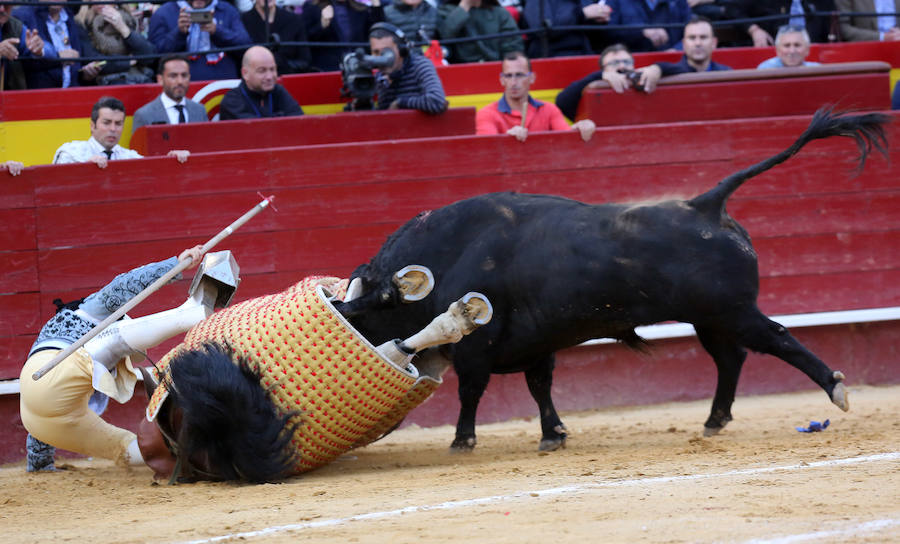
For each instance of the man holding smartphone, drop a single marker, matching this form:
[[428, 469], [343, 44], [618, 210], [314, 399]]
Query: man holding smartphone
[[199, 28]]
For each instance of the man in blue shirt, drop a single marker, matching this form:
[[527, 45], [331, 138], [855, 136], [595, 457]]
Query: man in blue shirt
[[195, 28]]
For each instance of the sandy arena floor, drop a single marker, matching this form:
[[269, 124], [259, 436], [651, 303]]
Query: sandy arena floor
[[643, 474]]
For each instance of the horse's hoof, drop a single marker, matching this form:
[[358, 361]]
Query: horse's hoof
[[463, 445], [839, 393]]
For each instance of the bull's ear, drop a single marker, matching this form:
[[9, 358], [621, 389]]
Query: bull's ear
[[150, 384]]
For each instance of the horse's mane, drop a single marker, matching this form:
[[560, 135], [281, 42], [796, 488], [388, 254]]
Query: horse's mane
[[228, 418]]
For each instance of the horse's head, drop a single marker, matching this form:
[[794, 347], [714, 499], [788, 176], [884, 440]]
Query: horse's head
[[217, 422]]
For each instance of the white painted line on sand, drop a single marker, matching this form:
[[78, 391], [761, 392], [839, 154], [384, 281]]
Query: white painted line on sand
[[569, 489], [853, 531]]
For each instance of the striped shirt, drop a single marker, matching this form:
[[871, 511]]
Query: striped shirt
[[415, 86]]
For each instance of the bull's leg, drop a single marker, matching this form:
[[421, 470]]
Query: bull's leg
[[473, 380], [761, 334], [540, 379], [729, 358]]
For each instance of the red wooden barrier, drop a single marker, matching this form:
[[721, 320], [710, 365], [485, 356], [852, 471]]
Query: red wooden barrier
[[741, 94], [303, 130], [818, 230]]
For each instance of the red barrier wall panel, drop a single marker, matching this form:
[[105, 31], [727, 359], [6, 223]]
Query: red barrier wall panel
[[303, 130], [736, 99]]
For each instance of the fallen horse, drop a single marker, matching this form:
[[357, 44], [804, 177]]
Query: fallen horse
[[560, 272], [282, 384]]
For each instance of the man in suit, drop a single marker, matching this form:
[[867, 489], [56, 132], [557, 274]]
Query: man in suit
[[171, 106], [881, 28]]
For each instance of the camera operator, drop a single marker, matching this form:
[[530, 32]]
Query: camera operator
[[411, 82], [259, 94]]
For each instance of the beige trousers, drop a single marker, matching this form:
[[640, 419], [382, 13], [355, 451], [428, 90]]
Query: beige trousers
[[55, 410]]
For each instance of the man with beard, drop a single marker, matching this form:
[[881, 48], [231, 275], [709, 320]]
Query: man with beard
[[171, 106], [259, 94]]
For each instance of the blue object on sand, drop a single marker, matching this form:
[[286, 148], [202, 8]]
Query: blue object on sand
[[815, 426]]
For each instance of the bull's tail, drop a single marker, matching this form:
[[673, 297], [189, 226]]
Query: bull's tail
[[867, 130]]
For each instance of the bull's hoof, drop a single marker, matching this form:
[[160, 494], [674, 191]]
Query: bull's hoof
[[552, 444], [556, 441], [414, 282], [463, 445], [712, 431], [839, 393]]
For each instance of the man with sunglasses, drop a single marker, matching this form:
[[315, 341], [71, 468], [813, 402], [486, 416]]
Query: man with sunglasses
[[517, 113]]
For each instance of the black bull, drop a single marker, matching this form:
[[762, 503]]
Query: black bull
[[559, 272]]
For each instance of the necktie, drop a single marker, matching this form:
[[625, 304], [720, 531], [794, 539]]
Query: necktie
[[108, 153], [181, 118]]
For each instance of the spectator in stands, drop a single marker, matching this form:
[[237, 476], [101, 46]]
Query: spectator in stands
[[16, 42], [13, 167], [259, 94], [616, 69], [517, 113], [172, 31], [171, 106], [699, 43], [107, 31], [107, 121], [331, 21], [283, 26], [648, 13], [58, 66], [63, 408], [860, 28], [791, 49], [471, 18], [795, 13], [416, 18], [411, 83], [558, 13]]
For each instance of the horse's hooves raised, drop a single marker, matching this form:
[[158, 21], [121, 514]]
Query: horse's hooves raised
[[463, 445], [712, 431]]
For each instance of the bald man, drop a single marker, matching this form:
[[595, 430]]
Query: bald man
[[259, 94]]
